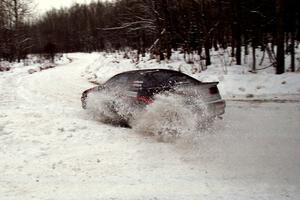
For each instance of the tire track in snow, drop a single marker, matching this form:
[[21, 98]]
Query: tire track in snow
[[7, 91], [58, 86]]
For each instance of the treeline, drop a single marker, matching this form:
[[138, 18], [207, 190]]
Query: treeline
[[159, 26]]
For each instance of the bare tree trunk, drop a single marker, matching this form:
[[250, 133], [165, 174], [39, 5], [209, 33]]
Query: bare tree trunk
[[246, 53], [295, 32], [280, 37], [287, 38], [238, 50], [215, 43], [207, 53], [161, 56], [254, 57], [262, 58], [143, 44], [293, 51], [232, 47], [293, 35], [237, 30]]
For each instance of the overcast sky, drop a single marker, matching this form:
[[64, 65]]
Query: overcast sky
[[44, 5]]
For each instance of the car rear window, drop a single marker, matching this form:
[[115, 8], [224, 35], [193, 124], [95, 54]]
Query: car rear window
[[124, 79]]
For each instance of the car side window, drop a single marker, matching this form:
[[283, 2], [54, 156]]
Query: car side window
[[149, 81], [166, 79], [162, 78]]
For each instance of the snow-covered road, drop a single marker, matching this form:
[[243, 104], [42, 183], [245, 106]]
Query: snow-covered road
[[51, 149]]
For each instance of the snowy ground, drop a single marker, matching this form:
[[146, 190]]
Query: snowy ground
[[51, 149]]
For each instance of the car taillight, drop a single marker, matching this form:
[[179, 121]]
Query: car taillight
[[144, 99], [213, 90]]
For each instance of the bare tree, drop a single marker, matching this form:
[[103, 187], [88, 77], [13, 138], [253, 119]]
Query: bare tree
[[15, 12]]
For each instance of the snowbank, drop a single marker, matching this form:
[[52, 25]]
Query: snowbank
[[34, 63], [239, 83]]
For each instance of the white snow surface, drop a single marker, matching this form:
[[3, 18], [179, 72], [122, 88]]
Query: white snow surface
[[51, 149]]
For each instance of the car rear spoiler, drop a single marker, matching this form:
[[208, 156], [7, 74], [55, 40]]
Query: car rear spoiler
[[210, 83]]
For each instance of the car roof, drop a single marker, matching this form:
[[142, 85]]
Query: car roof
[[143, 72], [146, 71]]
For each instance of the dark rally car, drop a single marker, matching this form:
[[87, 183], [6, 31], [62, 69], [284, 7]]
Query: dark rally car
[[141, 86]]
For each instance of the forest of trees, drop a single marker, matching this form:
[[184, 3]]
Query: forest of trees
[[157, 26]]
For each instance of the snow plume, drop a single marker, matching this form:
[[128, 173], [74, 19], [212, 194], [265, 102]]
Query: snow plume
[[109, 106], [169, 117]]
